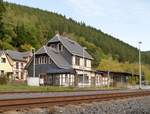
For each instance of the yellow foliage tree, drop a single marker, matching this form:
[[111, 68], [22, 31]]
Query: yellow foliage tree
[[109, 64]]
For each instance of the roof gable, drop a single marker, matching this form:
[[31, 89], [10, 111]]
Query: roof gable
[[72, 46], [8, 58], [56, 57]]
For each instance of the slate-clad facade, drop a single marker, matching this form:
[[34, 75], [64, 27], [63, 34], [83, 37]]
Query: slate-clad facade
[[62, 62]]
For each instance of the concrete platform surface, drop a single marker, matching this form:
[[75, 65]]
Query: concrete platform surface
[[56, 94]]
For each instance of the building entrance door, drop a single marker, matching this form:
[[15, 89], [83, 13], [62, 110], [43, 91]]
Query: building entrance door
[[93, 81], [51, 80], [43, 79]]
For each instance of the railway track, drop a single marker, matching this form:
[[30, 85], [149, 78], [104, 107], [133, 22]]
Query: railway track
[[43, 102], [84, 90]]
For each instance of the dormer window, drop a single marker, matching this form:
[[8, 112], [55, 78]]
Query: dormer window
[[53, 46], [60, 47]]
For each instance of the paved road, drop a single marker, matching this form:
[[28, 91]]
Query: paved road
[[56, 94]]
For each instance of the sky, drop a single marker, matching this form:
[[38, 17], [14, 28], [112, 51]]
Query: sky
[[127, 20]]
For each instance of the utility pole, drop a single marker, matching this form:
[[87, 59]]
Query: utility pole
[[108, 80], [140, 67], [33, 49]]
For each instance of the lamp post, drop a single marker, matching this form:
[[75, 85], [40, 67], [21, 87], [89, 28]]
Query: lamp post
[[108, 80], [84, 48], [33, 50], [140, 67]]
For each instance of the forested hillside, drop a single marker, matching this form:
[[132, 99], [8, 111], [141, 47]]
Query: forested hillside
[[24, 27], [147, 53]]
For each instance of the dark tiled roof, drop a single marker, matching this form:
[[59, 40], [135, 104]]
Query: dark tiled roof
[[15, 55], [115, 73], [58, 59], [72, 46], [26, 54], [47, 68]]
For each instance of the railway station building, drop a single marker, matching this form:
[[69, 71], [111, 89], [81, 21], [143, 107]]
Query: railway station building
[[61, 62]]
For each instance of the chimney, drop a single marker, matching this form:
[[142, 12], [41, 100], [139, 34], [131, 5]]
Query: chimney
[[57, 33]]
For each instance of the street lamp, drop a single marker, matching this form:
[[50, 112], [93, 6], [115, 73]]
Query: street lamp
[[140, 67], [84, 48], [33, 50], [108, 80]]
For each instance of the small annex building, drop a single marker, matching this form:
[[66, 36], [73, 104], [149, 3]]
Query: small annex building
[[111, 78], [62, 62]]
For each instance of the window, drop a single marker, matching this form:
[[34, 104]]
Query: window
[[85, 62], [45, 58], [97, 79], [22, 65], [77, 60], [60, 47], [50, 61], [53, 46], [2, 72], [42, 60], [38, 60], [21, 75], [17, 65], [17, 75], [86, 78], [66, 78], [3, 60]]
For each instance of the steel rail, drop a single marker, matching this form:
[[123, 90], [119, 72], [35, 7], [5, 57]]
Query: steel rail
[[70, 91], [43, 102]]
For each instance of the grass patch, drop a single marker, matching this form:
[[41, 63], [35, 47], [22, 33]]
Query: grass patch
[[25, 88]]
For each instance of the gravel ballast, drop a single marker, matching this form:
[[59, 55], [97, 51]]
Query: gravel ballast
[[140, 105]]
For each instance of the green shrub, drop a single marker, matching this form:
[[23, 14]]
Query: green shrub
[[3, 79]]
